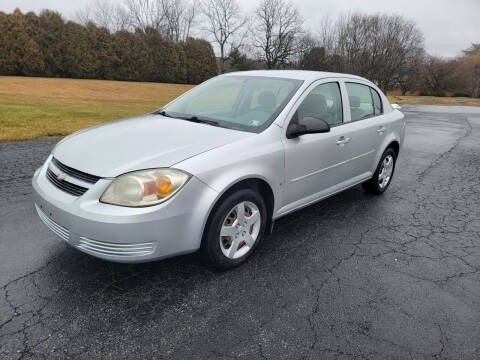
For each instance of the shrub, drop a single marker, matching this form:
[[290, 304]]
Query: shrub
[[461, 94], [46, 45]]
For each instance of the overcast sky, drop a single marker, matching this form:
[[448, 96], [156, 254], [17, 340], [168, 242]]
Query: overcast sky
[[449, 26]]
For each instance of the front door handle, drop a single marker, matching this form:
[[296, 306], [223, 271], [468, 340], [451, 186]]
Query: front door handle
[[343, 140], [381, 129]]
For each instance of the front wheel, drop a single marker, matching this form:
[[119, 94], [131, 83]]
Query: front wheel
[[383, 174], [234, 229]]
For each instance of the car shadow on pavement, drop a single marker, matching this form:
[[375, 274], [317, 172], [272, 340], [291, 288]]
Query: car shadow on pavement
[[80, 276]]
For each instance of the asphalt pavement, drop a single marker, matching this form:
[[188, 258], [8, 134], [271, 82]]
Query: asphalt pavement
[[355, 276]]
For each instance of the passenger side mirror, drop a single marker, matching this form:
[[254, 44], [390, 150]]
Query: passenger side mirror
[[307, 125]]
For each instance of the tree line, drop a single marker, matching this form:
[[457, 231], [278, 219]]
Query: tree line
[[387, 49], [47, 45], [151, 40]]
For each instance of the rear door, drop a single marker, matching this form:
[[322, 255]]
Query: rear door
[[366, 127]]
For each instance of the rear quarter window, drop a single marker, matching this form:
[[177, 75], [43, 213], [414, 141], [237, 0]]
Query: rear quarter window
[[377, 102]]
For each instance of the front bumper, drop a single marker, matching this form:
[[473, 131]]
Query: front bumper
[[124, 234]]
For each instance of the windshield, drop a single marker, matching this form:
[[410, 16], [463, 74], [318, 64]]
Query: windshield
[[248, 103]]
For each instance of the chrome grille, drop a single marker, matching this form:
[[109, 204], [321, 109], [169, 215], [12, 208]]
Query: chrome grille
[[52, 225], [66, 186], [92, 179], [106, 248]]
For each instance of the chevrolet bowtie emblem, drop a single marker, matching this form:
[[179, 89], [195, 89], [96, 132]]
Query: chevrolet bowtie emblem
[[61, 177]]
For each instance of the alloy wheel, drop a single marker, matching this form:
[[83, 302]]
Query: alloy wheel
[[240, 230], [385, 172]]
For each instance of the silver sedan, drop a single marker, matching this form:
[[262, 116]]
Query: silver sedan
[[213, 169]]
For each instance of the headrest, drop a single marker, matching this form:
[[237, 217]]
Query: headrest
[[266, 100], [354, 101], [316, 100]]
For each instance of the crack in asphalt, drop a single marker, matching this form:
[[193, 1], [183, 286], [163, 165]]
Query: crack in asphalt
[[355, 276], [468, 131]]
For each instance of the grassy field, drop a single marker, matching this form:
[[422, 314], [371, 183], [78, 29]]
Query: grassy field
[[433, 100], [42, 107]]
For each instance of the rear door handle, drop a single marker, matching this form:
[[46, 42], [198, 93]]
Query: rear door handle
[[381, 129], [343, 140]]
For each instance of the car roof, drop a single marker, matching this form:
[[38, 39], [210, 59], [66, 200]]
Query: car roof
[[297, 74]]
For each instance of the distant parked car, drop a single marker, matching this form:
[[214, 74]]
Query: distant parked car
[[214, 168]]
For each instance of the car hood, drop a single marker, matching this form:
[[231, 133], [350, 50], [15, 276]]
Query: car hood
[[142, 142]]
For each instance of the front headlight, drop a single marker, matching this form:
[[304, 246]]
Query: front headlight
[[145, 187]]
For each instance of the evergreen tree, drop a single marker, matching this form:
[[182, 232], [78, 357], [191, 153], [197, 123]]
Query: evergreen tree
[[46, 45], [22, 55], [239, 61], [200, 60], [50, 37]]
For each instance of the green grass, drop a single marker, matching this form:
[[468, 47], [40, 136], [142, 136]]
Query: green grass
[[42, 107], [433, 100]]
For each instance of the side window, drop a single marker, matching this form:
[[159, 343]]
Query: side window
[[377, 102], [324, 102], [361, 103]]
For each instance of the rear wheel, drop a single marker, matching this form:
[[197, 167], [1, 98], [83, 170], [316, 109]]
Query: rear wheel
[[234, 229], [383, 175]]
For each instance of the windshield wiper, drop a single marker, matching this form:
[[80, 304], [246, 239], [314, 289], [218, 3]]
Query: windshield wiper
[[199, 120], [192, 118], [163, 113]]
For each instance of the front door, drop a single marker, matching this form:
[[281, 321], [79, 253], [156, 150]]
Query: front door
[[314, 162]]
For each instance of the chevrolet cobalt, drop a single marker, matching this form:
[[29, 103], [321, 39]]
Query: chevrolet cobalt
[[214, 168]]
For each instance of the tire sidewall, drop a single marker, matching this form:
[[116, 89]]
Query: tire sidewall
[[210, 241]]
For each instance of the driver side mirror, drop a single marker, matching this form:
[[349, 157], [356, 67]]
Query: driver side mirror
[[307, 125]]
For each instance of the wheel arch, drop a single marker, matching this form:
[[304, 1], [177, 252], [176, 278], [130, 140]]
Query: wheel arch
[[255, 183], [395, 145]]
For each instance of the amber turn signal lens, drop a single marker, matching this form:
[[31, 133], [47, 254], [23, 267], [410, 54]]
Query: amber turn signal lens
[[164, 186], [149, 188]]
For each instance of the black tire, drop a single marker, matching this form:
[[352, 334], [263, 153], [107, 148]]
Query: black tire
[[373, 185], [211, 247]]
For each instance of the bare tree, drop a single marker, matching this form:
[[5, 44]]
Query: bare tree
[[311, 55], [105, 14], [379, 47], [326, 34], [145, 13], [438, 74], [277, 26], [306, 43], [470, 69], [408, 75], [178, 16], [403, 44], [187, 21], [172, 18], [224, 21], [83, 16]]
